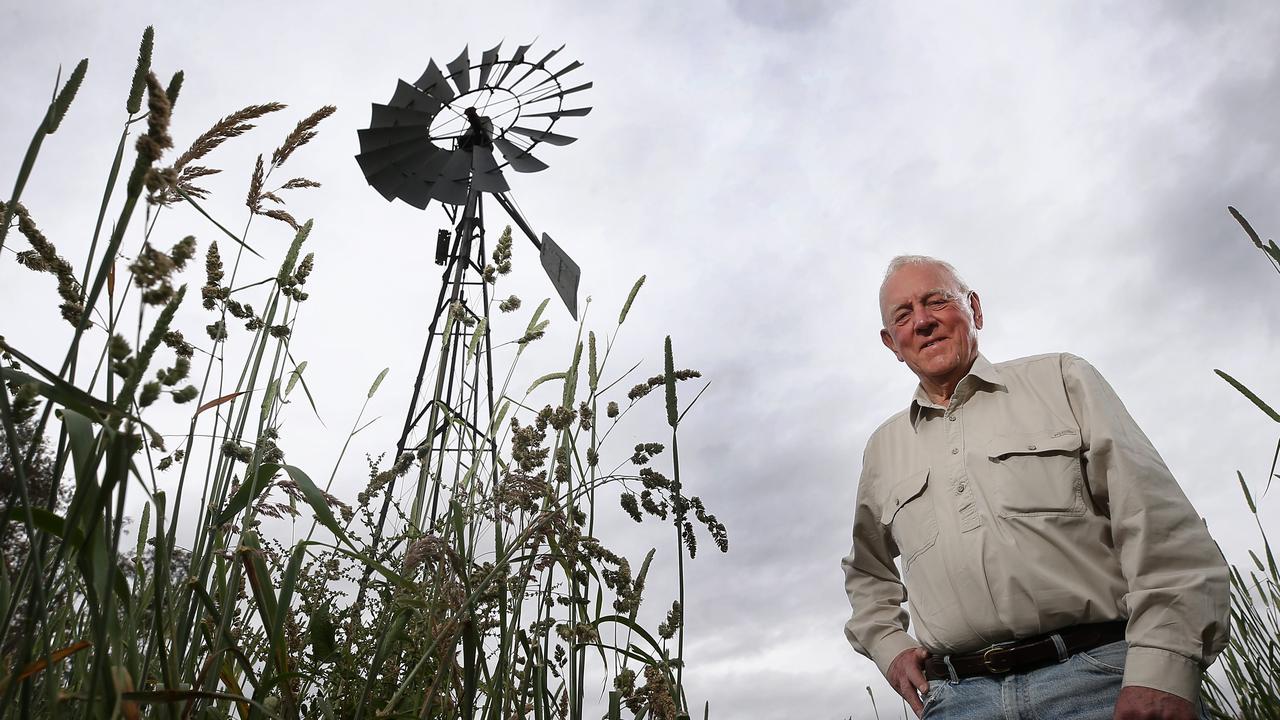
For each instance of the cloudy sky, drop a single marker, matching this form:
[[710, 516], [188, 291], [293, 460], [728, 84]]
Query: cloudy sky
[[760, 162]]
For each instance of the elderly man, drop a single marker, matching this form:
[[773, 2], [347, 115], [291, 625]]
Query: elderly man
[[1053, 566]]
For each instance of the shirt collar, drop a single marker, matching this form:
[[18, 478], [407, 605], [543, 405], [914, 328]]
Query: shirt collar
[[982, 372]]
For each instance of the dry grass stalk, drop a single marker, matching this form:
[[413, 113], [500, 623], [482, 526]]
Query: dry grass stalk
[[254, 199], [301, 135], [233, 125], [44, 257]]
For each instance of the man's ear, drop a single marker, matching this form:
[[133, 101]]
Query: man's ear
[[975, 304], [887, 339]]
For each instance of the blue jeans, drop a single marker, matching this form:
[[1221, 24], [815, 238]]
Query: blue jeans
[[1085, 687]]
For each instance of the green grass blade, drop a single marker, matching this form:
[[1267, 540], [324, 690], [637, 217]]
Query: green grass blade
[[1249, 394], [546, 378], [247, 493], [318, 502], [217, 224]]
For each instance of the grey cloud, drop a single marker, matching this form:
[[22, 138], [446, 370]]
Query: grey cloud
[[797, 15]]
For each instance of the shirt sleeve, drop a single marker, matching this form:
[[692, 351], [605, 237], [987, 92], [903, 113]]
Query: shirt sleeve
[[878, 626], [1178, 595]]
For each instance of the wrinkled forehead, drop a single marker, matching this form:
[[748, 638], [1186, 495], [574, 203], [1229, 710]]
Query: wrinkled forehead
[[914, 282]]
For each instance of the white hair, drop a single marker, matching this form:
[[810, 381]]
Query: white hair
[[902, 261]]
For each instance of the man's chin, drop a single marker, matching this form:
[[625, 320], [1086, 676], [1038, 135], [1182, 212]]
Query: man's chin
[[939, 368]]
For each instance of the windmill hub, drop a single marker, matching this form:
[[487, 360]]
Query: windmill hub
[[498, 105]]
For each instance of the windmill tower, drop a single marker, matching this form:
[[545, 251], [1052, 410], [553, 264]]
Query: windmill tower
[[435, 139]]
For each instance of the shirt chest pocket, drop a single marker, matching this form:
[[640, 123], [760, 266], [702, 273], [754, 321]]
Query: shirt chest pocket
[[908, 513], [1036, 473]]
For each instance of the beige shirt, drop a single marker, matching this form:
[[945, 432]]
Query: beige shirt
[[1031, 503]]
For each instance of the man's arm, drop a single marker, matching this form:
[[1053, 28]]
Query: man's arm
[[1179, 588], [878, 626]]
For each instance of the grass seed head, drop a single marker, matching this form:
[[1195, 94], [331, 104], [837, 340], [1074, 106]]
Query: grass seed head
[[156, 140], [302, 134], [134, 103]]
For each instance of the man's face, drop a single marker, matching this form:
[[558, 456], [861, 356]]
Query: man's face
[[929, 324]]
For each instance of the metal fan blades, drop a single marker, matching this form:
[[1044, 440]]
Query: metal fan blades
[[433, 111], [450, 136]]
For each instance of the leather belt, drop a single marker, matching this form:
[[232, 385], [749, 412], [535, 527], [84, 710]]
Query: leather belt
[[1023, 655]]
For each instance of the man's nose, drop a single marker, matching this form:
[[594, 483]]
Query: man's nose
[[925, 322]]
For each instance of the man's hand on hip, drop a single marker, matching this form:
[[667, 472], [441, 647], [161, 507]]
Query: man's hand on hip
[[906, 675], [1144, 703]]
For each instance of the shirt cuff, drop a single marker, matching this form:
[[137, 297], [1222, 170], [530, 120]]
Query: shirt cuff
[[890, 647], [1163, 670]]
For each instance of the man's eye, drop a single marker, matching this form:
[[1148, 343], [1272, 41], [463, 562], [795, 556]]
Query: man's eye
[[937, 303], [901, 318]]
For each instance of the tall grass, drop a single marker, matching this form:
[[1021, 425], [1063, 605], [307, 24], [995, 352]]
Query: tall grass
[[1251, 662], [507, 603]]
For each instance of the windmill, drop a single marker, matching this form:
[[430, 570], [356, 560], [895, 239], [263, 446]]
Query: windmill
[[436, 139]]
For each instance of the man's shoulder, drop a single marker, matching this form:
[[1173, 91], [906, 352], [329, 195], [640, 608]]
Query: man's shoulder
[[1053, 358], [897, 423], [1054, 362]]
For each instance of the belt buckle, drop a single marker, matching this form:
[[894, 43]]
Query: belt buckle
[[991, 665]]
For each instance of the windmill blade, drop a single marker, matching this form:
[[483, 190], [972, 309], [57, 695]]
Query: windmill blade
[[409, 96], [485, 172], [563, 271], [545, 136], [538, 65], [557, 114], [387, 183], [375, 138], [561, 93], [375, 161], [420, 175], [433, 83], [415, 191], [514, 62], [391, 116], [519, 160], [388, 180], [457, 168], [567, 69], [487, 59], [460, 73], [449, 193], [451, 186]]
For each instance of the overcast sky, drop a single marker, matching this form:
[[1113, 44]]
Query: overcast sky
[[760, 162]]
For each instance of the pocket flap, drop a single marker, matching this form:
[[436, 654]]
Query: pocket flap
[[903, 491], [1037, 443]]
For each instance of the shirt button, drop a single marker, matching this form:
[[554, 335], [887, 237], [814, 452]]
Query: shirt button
[[1031, 447], [960, 489], [955, 451], [952, 418]]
